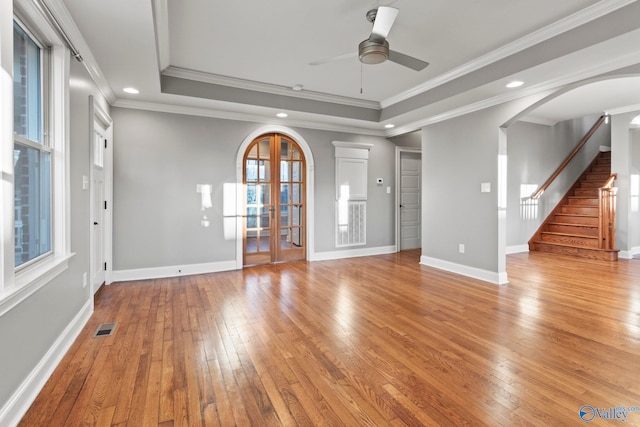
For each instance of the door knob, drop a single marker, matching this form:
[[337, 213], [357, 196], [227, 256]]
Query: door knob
[[95, 223]]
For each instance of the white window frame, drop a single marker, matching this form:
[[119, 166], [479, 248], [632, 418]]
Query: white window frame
[[42, 146], [18, 284]]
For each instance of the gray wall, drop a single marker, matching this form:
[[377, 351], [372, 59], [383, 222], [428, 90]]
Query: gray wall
[[534, 152], [160, 157], [457, 156], [411, 139], [28, 330]]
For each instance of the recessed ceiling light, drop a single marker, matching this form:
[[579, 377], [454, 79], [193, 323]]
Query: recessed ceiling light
[[515, 83], [389, 126], [297, 88], [131, 90], [282, 115]]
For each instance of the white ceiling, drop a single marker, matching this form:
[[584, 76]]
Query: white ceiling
[[594, 98], [266, 47]]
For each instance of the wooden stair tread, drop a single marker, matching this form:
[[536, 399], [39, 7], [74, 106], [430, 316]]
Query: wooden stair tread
[[576, 214], [540, 242], [569, 224], [581, 236]]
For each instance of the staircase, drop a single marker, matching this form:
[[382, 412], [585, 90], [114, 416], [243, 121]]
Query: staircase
[[582, 224]]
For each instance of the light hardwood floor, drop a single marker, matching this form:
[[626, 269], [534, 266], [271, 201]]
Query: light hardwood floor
[[365, 341]]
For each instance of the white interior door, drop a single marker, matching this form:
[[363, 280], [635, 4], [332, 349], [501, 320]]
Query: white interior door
[[98, 208], [410, 200]]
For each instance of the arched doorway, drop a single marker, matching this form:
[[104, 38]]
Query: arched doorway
[[274, 213]]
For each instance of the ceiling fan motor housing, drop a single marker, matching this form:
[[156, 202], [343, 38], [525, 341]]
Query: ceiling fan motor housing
[[373, 51]]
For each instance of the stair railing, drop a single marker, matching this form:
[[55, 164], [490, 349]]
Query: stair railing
[[607, 211], [570, 157]]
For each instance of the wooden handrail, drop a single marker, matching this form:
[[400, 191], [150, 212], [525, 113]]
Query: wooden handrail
[[570, 157], [609, 182]]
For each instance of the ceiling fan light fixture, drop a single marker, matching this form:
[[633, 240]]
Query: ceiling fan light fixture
[[373, 51]]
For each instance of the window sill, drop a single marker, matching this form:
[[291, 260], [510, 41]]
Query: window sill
[[28, 282]]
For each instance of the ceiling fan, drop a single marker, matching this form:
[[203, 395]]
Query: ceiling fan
[[375, 49]]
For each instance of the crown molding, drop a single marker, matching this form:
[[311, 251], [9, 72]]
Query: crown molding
[[63, 16], [624, 110], [323, 123], [538, 120], [200, 76], [160, 10], [570, 22]]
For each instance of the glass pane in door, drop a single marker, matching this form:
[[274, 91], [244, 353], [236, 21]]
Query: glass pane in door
[[258, 202]]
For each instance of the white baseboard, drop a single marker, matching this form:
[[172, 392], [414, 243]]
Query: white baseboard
[[21, 400], [465, 270], [378, 250], [630, 253], [172, 271], [516, 249]]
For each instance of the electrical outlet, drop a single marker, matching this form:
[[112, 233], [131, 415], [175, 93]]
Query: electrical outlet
[[461, 248]]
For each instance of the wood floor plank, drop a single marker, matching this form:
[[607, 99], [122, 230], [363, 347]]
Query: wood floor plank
[[364, 341]]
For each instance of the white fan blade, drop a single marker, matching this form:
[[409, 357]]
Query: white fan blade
[[407, 61], [334, 58], [384, 21]]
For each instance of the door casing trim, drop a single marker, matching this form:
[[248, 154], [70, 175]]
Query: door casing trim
[[309, 187], [400, 150]]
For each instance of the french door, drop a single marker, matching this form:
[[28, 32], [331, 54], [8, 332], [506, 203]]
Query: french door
[[275, 205]]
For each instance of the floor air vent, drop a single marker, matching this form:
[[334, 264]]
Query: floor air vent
[[105, 330]]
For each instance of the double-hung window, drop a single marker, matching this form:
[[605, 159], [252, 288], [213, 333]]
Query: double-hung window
[[31, 150]]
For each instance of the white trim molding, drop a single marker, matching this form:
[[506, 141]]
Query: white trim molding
[[465, 270], [517, 249], [90, 63], [353, 253], [249, 113], [171, 271], [18, 404], [30, 281]]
